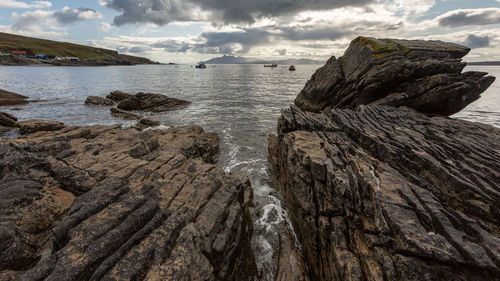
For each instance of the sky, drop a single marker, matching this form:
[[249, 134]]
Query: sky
[[188, 31]]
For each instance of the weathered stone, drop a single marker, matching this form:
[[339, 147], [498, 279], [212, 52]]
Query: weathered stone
[[94, 100], [147, 123], [33, 126], [115, 112], [423, 75], [152, 102], [386, 193], [9, 98], [118, 96], [7, 120], [105, 203]]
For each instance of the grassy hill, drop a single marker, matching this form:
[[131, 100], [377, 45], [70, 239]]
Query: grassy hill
[[10, 42]]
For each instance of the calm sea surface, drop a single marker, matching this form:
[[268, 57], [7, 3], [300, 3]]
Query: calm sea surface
[[240, 102]]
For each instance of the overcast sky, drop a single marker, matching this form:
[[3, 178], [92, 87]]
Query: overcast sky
[[192, 30]]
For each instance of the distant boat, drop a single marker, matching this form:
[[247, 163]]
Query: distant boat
[[291, 68], [270, 65], [201, 65]]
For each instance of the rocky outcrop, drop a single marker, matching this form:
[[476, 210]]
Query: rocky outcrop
[[379, 189], [423, 75], [152, 103], [390, 194], [115, 112], [94, 100], [7, 122], [9, 98], [33, 126], [118, 96], [147, 123], [106, 203]]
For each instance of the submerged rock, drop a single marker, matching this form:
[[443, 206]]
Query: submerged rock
[[152, 103], [9, 98], [390, 194], [33, 126], [119, 96], [105, 203], [94, 100], [423, 75]]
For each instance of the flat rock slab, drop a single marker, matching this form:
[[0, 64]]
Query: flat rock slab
[[423, 75], [9, 98], [386, 193], [95, 100], [152, 103], [115, 112], [105, 203], [34, 125]]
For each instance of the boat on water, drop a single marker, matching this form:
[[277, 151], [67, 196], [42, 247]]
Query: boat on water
[[291, 68], [271, 65], [201, 65]]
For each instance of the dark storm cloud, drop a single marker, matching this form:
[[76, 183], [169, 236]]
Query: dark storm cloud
[[470, 17], [162, 12], [474, 41]]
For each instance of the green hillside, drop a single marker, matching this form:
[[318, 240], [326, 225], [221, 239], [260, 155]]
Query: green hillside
[[10, 42]]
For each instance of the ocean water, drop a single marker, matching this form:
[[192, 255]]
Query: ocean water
[[240, 102]]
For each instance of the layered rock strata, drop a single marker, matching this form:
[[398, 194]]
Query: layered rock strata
[[378, 185], [391, 194], [105, 203], [424, 75]]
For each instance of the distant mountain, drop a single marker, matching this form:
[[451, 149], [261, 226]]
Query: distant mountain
[[484, 63], [242, 60]]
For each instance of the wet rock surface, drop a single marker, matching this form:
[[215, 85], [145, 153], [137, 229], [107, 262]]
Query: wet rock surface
[[95, 100], [115, 112], [118, 96], [151, 102], [105, 203], [9, 98], [34, 125], [7, 122], [423, 75], [391, 194]]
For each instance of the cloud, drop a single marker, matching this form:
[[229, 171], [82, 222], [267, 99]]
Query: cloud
[[465, 17], [281, 52], [105, 27], [68, 15], [43, 22], [162, 12], [23, 5], [474, 41]]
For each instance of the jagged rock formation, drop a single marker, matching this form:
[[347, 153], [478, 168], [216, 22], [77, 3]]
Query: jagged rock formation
[[118, 96], [105, 203], [151, 102], [391, 194], [7, 122], [95, 100], [424, 75], [9, 98]]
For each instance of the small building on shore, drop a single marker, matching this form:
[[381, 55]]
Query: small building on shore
[[20, 53]]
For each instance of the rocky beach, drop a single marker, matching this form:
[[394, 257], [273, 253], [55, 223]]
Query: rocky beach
[[377, 181]]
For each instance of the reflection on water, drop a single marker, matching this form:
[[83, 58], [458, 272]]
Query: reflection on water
[[240, 102]]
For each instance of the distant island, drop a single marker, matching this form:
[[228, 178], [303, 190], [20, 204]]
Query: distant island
[[226, 59], [21, 50], [484, 63]]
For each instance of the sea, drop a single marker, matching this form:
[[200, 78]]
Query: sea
[[241, 103]]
